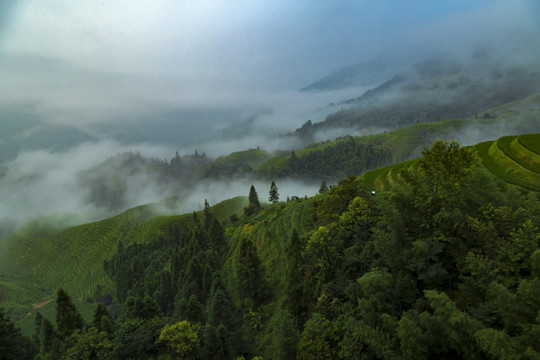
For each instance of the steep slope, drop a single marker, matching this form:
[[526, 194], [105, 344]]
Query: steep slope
[[334, 160], [511, 159], [433, 90], [40, 257], [363, 73]]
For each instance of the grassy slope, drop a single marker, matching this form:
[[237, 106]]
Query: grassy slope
[[237, 162], [406, 143], [27, 323], [271, 228], [252, 158], [505, 158], [39, 258]]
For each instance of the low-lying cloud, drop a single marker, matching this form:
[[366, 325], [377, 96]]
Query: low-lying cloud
[[41, 183], [160, 76]]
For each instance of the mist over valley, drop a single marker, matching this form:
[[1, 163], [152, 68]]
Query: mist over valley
[[214, 179]]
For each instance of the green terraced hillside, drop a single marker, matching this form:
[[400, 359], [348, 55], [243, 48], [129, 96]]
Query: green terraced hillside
[[512, 159], [406, 143], [236, 163], [41, 257], [270, 229]]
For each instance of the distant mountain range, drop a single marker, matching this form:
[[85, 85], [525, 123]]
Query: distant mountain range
[[363, 73]]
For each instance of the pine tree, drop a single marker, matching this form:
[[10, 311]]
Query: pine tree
[[293, 158], [220, 310], [207, 215], [13, 345], [213, 347], [293, 288], [217, 236], [323, 187], [253, 197], [46, 336], [68, 317], [273, 194], [37, 327], [194, 310], [248, 270], [99, 313]]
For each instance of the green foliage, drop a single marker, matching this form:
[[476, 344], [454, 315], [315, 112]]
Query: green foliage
[[506, 159], [90, 344], [47, 336], [273, 195], [68, 318], [530, 142], [181, 339], [100, 312], [319, 340], [237, 163], [330, 161], [44, 255], [136, 339], [137, 308], [253, 197], [13, 345], [248, 273], [331, 207], [444, 266], [446, 165], [213, 344], [323, 188]]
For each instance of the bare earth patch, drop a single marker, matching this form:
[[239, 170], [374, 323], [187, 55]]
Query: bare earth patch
[[37, 306]]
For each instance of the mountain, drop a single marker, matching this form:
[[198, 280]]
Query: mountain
[[360, 74], [435, 89], [22, 130], [50, 251], [446, 239], [400, 250]]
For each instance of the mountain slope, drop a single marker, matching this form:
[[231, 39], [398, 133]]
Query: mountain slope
[[506, 158], [363, 73], [40, 257], [329, 160], [433, 90]]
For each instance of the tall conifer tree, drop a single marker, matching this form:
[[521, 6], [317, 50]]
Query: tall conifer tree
[[273, 194], [253, 197], [68, 317]]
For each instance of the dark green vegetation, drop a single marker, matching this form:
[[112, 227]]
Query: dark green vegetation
[[41, 255], [506, 158], [443, 262], [328, 161]]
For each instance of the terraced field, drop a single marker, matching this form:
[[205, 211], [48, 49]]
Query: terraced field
[[509, 160], [37, 259], [512, 159], [270, 230]]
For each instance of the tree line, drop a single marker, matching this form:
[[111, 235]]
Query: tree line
[[447, 266]]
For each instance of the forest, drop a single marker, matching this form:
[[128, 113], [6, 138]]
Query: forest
[[445, 267]]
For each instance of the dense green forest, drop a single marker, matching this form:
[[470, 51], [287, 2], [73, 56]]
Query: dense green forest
[[445, 266]]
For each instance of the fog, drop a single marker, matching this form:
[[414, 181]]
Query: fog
[[160, 76], [87, 63], [41, 183]]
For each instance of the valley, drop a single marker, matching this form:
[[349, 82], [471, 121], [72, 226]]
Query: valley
[[256, 180]]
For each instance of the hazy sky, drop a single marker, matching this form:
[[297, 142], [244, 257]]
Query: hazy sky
[[82, 61]]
